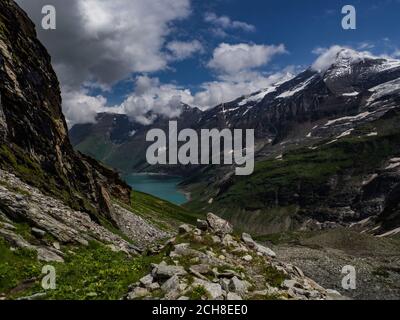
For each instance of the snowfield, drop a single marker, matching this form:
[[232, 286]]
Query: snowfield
[[296, 89], [383, 90]]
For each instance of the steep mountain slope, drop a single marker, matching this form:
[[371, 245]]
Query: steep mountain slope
[[34, 136]]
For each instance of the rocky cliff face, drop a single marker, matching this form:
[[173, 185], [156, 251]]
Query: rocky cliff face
[[33, 133]]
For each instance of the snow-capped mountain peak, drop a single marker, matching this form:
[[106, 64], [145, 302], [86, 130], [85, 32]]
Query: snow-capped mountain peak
[[340, 60]]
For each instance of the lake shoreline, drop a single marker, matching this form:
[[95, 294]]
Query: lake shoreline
[[163, 186]]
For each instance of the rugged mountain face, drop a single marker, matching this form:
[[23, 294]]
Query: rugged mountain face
[[326, 148], [329, 155], [34, 141]]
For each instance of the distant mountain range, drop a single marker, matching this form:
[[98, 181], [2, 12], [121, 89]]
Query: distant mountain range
[[327, 148]]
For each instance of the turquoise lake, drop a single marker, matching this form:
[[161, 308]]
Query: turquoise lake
[[163, 187]]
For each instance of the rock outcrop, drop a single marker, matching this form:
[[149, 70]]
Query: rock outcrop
[[49, 216], [210, 265]]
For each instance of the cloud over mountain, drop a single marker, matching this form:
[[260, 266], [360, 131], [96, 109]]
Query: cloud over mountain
[[230, 59]]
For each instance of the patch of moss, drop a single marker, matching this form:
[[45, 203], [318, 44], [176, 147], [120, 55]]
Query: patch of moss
[[381, 272], [273, 276], [16, 266], [24, 230], [265, 297], [14, 188], [197, 293]]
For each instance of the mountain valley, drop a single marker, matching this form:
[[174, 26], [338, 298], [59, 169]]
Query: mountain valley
[[325, 192]]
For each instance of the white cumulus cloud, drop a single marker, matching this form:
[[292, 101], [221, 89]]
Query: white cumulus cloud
[[101, 42], [80, 107], [105, 41], [224, 22], [151, 98], [181, 50], [230, 59]]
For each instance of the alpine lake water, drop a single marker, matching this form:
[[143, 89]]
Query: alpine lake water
[[161, 186]]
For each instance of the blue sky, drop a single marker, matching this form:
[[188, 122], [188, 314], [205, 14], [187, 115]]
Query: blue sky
[[300, 25], [141, 55]]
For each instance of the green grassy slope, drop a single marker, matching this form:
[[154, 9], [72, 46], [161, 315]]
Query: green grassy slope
[[93, 272], [161, 213], [89, 273]]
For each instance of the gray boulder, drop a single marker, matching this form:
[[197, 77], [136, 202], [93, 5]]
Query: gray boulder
[[164, 271], [214, 290], [233, 297], [147, 280], [185, 228], [39, 233], [238, 286], [172, 284], [219, 226], [138, 293], [248, 240]]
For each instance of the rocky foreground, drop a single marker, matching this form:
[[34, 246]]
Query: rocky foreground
[[50, 218], [204, 262], [211, 263]]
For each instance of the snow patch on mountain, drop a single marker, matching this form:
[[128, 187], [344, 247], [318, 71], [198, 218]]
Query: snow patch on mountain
[[345, 134], [296, 89], [256, 97], [348, 119], [351, 94], [229, 110], [383, 90]]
